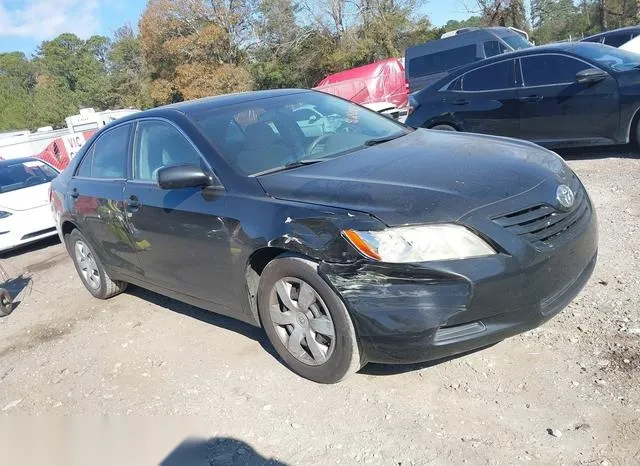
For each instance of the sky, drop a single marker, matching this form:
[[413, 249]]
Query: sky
[[26, 23]]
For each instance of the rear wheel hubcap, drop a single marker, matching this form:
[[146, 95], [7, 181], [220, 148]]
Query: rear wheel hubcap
[[87, 265], [302, 321]]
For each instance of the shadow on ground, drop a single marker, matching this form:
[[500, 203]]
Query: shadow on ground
[[207, 317], [216, 451], [258, 334], [603, 152]]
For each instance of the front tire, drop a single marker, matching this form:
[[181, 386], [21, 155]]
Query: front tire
[[90, 269], [307, 322]]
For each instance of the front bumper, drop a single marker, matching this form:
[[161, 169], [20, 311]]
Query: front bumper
[[413, 313], [24, 227]]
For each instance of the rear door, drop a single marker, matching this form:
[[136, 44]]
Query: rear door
[[554, 107], [183, 243], [485, 100], [96, 191]]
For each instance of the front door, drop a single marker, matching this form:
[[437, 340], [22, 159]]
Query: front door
[[97, 191], [554, 107], [182, 245], [485, 100]]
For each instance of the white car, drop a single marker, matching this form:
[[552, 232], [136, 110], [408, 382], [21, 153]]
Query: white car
[[632, 46], [25, 213]]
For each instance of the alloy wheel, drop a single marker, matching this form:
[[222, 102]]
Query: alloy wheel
[[87, 265], [302, 321]]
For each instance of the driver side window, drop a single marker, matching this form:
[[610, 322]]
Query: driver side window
[[158, 144]]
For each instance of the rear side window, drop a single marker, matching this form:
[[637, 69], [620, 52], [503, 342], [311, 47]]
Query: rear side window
[[442, 61], [493, 48], [616, 40], [107, 158], [543, 70], [488, 78]]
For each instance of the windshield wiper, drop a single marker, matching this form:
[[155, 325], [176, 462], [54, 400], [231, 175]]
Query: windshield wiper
[[289, 166], [383, 139]]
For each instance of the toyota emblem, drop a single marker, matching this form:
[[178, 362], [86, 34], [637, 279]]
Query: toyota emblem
[[565, 196]]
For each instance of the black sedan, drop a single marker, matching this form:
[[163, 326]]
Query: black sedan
[[565, 95], [370, 242]]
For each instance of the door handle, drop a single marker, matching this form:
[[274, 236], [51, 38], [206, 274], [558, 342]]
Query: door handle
[[460, 102], [133, 204], [532, 98], [74, 193]]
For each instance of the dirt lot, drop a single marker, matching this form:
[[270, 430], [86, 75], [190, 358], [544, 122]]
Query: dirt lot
[[164, 373]]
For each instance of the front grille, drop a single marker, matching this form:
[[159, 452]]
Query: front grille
[[38, 233], [543, 224]]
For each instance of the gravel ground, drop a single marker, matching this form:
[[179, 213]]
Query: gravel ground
[[142, 379]]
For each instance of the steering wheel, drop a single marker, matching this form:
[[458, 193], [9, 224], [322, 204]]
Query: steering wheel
[[32, 180], [317, 142]]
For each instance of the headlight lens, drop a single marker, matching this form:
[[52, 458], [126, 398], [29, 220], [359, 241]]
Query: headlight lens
[[419, 243], [5, 214]]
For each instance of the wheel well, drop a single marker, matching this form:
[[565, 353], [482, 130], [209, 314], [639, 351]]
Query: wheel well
[[257, 262], [633, 127], [447, 123], [67, 228]]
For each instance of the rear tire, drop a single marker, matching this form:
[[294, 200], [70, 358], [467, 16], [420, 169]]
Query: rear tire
[[307, 322], [90, 269], [6, 303], [443, 127]]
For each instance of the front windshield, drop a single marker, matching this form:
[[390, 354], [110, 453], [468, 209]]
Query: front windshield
[[267, 134], [517, 42], [609, 57], [19, 175]]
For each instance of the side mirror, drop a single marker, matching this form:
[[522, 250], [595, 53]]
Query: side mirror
[[183, 176], [591, 75]]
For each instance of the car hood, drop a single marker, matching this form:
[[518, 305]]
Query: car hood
[[425, 176], [25, 198]]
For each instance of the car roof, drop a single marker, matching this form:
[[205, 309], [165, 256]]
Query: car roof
[[466, 38], [570, 48], [613, 31], [208, 103]]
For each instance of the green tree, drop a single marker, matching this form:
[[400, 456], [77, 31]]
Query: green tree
[[128, 81], [195, 48], [17, 81], [76, 67]]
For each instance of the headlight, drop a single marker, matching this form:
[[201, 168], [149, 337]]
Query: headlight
[[5, 214], [419, 244]]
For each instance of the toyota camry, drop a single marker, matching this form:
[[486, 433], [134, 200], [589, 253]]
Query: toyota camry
[[368, 241]]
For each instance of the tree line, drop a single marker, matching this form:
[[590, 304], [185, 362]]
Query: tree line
[[185, 49]]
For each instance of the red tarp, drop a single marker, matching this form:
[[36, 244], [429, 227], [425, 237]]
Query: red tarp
[[382, 81]]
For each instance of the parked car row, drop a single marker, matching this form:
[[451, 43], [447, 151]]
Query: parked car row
[[493, 81], [575, 94]]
